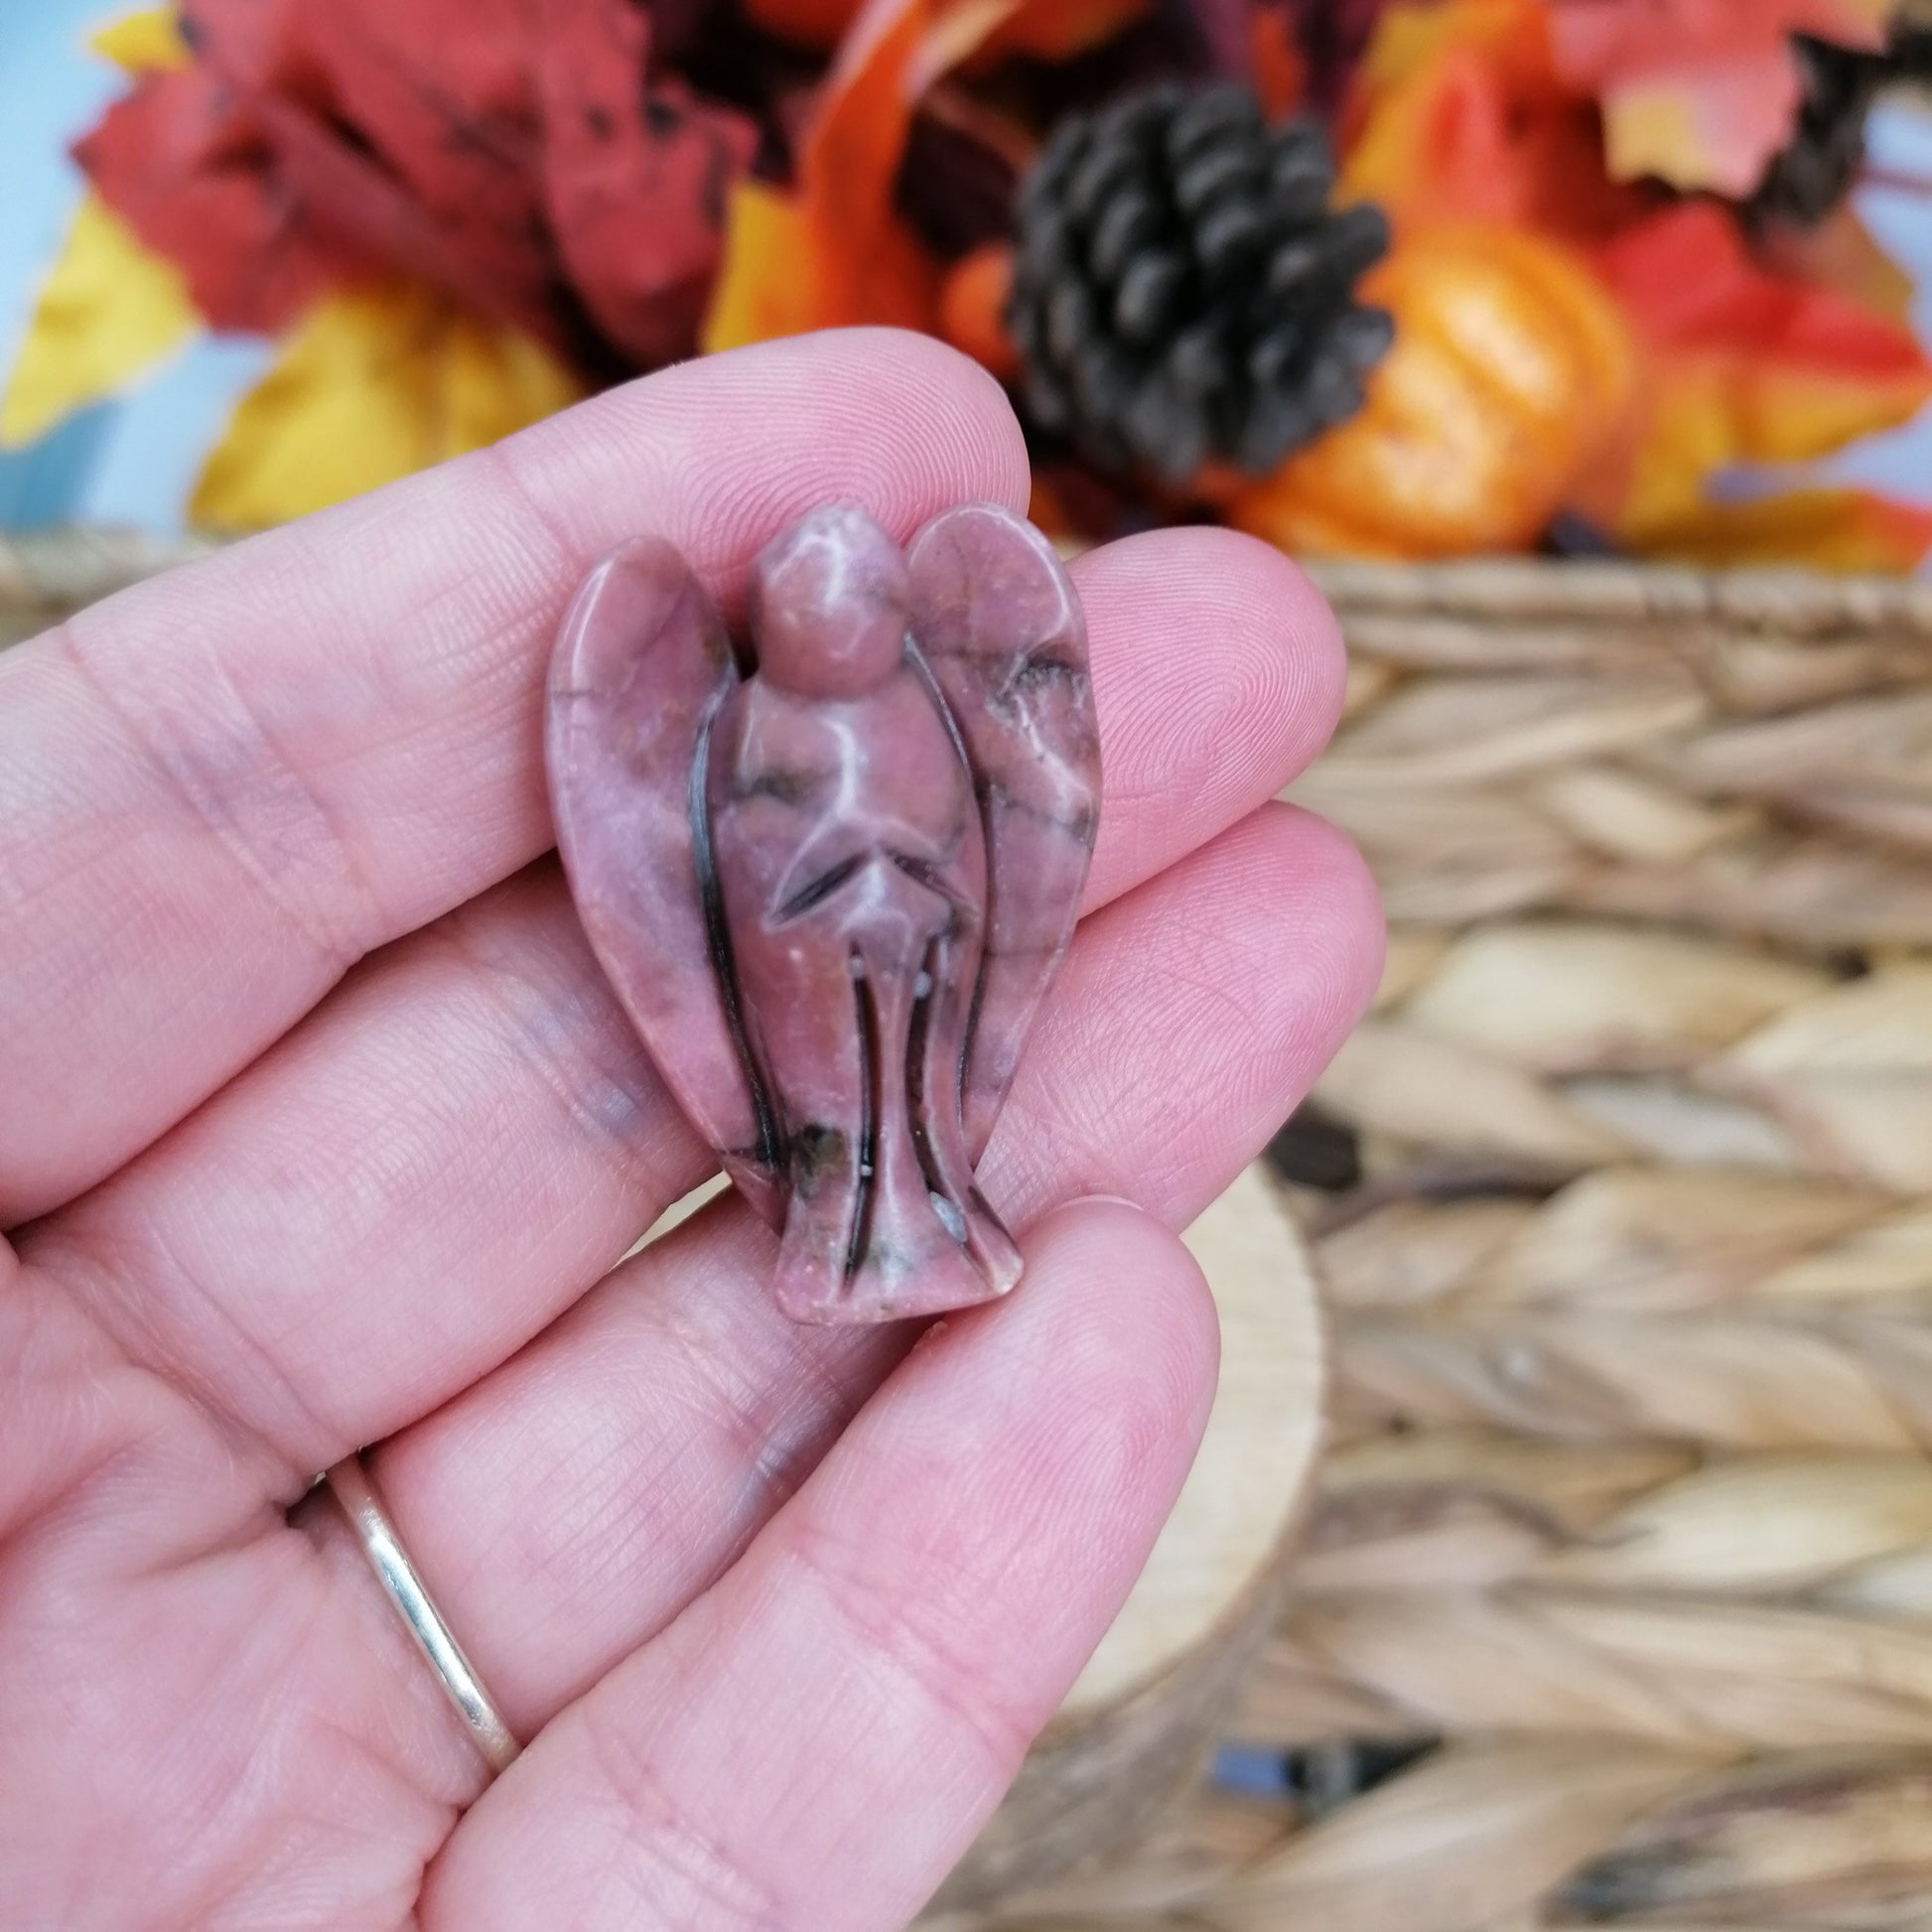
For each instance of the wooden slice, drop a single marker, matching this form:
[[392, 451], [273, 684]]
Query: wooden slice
[[1146, 1708]]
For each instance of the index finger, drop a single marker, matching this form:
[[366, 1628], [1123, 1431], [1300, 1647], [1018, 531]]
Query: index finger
[[220, 789]]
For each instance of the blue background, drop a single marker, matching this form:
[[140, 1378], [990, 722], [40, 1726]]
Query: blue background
[[130, 461]]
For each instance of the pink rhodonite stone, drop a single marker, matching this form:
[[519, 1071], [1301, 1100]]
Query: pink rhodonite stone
[[831, 889]]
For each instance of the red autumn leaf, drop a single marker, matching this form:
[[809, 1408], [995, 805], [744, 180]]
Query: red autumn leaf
[[363, 124], [439, 92], [526, 134], [1689, 283], [186, 167], [634, 183], [1743, 366], [347, 188], [1283, 76], [808, 23], [1703, 92], [511, 154], [1600, 41]]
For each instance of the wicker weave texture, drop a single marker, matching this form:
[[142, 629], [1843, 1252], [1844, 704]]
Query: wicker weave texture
[[1616, 1599]]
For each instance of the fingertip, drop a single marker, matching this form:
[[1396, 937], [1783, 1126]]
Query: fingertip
[[896, 423], [1218, 676], [947, 422], [1132, 1321], [1307, 631], [920, 391], [1264, 637], [1346, 932], [973, 399]]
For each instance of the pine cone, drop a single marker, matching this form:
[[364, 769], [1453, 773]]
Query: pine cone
[[1181, 288]]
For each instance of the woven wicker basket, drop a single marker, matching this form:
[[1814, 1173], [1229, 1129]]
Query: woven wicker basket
[[1615, 1603]]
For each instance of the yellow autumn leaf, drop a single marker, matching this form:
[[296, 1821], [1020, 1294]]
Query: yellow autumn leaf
[[1654, 131], [147, 42], [109, 311], [1822, 528], [748, 304], [375, 382]]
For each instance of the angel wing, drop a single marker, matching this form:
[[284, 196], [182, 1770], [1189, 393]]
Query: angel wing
[[1000, 627], [641, 667]]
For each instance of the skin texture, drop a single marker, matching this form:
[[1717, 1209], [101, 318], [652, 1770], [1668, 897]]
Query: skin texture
[[322, 1127]]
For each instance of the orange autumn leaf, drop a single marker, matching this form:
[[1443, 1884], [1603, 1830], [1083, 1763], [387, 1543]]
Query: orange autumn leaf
[[831, 250], [1457, 114], [851, 149], [786, 271], [1743, 366], [972, 309]]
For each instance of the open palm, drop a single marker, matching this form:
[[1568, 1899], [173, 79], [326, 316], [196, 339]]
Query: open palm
[[318, 1128]]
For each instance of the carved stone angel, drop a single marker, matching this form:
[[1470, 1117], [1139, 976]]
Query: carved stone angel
[[832, 886]]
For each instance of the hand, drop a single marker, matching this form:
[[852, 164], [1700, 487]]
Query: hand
[[318, 1128]]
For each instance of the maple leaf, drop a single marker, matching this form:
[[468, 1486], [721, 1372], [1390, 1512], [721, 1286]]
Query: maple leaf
[[183, 162], [468, 144], [634, 181], [1698, 92], [145, 42], [378, 381], [108, 312]]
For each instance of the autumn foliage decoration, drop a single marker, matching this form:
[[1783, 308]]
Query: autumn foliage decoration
[[456, 219], [1606, 134], [486, 191]]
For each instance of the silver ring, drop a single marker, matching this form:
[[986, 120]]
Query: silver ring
[[348, 1482]]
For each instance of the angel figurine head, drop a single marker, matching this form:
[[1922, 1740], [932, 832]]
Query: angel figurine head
[[831, 878]]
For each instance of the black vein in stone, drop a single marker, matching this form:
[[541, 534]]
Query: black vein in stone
[[918, 1035], [718, 938], [969, 1033], [870, 1103]]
